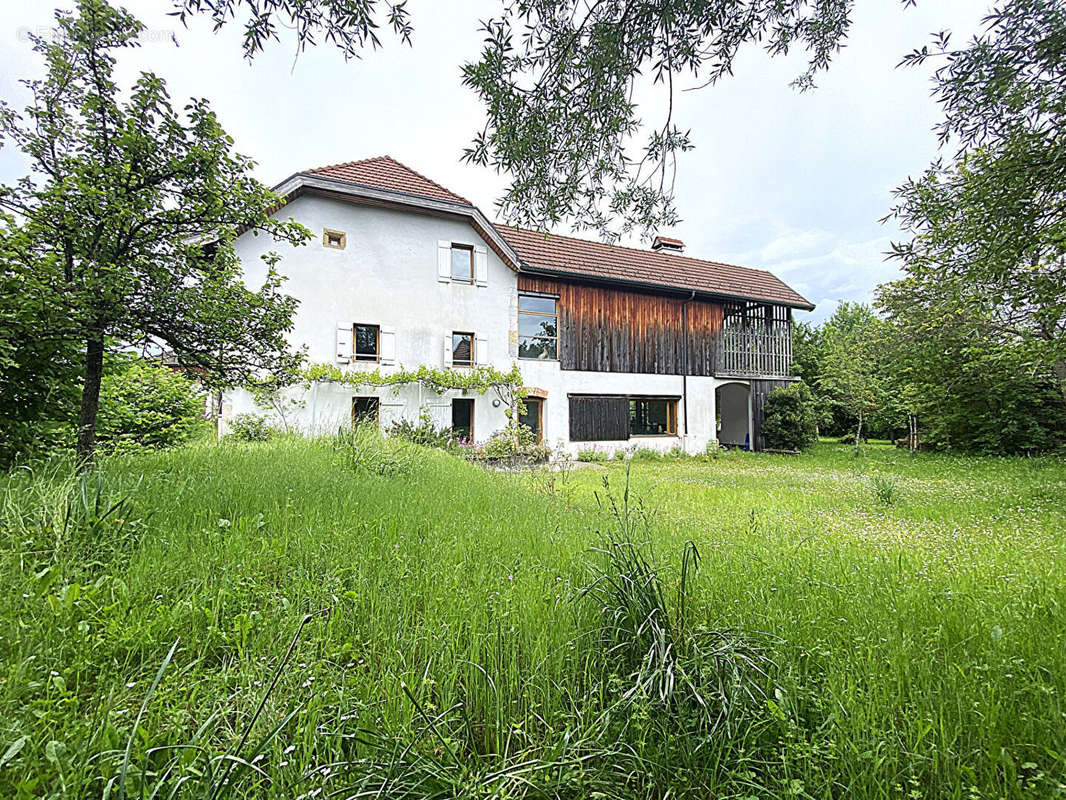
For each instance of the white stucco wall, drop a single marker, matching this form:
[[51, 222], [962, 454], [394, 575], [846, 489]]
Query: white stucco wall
[[387, 275]]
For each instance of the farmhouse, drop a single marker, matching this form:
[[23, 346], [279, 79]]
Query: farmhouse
[[614, 344]]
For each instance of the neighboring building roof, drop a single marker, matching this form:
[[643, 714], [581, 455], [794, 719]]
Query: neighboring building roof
[[568, 256], [565, 255], [385, 172]]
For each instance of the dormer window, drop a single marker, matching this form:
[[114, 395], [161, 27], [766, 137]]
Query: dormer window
[[336, 240]]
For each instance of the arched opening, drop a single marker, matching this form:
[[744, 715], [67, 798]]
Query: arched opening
[[733, 401]]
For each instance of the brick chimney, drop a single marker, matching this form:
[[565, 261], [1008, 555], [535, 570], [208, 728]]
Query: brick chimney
[[664, 244]]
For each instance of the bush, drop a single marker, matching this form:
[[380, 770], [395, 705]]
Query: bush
[[250, 428], [146, 407], [789, 421], [425, 433], [512, 442], [591, 454]]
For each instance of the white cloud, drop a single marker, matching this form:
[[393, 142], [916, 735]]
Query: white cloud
[[794, 183]]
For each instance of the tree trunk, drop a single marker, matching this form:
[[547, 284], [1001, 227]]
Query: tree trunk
[[1060, 375], [90, 397], [858, 434]]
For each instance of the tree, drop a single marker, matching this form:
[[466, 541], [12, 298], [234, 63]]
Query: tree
[[988, 227], [971, 388], [557, 80], [852, 373], [38, 368], [349, 24], [127, 220]]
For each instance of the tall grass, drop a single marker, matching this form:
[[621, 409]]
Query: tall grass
[[487, 639]]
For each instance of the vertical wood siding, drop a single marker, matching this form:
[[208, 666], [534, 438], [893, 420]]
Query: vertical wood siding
[[611, 330]]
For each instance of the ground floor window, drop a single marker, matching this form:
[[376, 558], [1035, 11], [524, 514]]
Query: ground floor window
[[533, 416], [652, 417], [365, 409], [463, 418], [612, 418]]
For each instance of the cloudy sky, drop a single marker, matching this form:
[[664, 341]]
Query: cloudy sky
[[793, 183]]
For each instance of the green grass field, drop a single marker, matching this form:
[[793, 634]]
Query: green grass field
[[878, 627]]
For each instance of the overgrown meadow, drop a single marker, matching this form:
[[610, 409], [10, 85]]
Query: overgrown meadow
[[354, 617]]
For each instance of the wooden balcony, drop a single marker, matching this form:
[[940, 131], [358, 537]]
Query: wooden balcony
[[755, 341]]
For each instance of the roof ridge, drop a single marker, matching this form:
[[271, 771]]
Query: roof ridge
[[349, 163], [648, 252], [387, 157], [425, 178]]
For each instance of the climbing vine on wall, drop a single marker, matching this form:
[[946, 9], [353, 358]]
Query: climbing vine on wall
[[506, 385]]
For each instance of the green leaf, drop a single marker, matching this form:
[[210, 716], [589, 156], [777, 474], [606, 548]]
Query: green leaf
[[13, 750]]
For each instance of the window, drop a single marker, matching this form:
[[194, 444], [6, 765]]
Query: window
[[462, 263], [463, 418], [652, 417], [611, 418], [366, 341], [462, 349], [538, 327], [365, 409], [335, 239], [533, 416]]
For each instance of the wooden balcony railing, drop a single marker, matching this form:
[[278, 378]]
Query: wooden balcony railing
[[755, 341]]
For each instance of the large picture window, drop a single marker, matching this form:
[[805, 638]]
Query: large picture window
[[538, 327], [652, 417]]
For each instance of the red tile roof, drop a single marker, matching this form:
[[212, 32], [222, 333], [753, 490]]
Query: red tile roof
[[385, 172], [565, 255]]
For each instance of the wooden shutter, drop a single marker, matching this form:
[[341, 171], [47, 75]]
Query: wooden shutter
[[345, 331], [481, 350], [481, 266], [444, 261], [599, 419], [448, 350], [387, 345]]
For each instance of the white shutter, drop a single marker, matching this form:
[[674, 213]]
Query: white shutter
[[388, 346], [345, 331], [481, 350], [444, 261], [448, 350], [481, 266]]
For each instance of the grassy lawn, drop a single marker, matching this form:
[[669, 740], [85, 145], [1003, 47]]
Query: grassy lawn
[[882, 626]]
